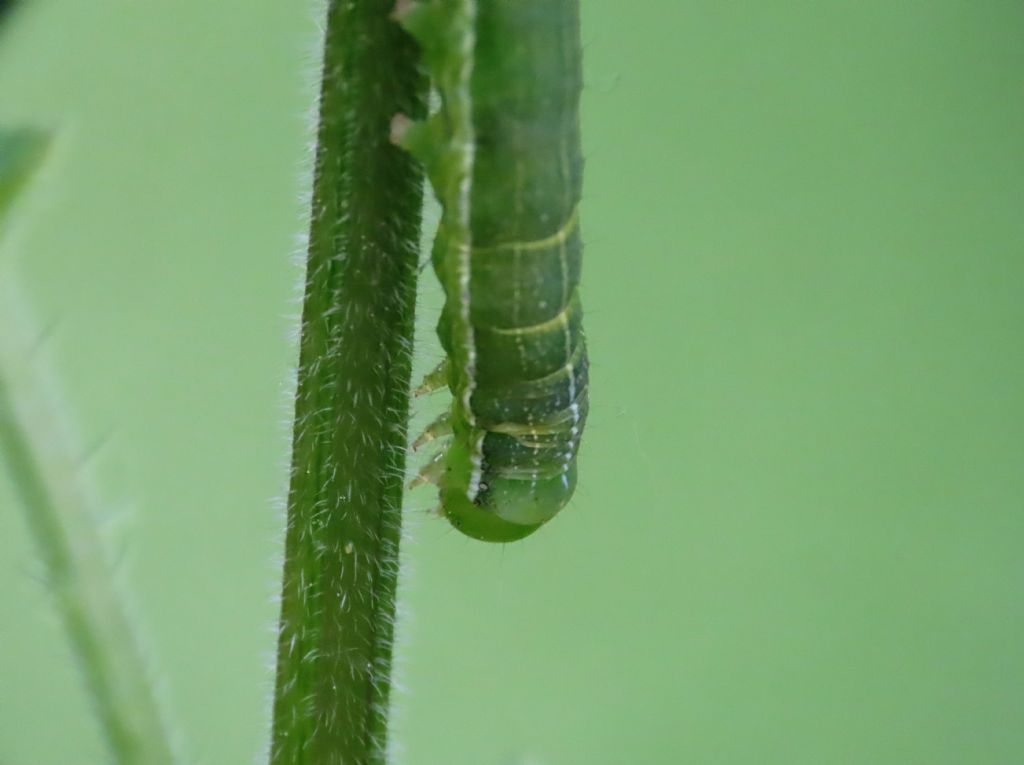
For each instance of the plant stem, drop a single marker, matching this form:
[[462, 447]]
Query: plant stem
[[351, 410], [46, 480], [59, 519]]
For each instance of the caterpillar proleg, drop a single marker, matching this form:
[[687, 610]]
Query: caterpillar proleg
[[502, 152]]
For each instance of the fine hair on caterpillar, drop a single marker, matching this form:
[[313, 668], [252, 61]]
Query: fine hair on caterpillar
[[502, 152]]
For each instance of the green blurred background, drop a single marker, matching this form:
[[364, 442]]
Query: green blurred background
[[798, 534]]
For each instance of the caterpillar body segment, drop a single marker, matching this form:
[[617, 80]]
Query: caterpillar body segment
[[502, 153]]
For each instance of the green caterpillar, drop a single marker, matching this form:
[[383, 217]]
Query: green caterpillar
[[503, 155]]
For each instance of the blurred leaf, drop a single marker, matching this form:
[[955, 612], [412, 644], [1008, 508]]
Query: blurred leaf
[[20, 152], [5, 6]]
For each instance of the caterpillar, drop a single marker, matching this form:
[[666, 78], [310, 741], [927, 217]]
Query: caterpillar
[[502, 152]]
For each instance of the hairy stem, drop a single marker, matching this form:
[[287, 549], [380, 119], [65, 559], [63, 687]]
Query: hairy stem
[[59, 519], [351, 410], [46, 480]]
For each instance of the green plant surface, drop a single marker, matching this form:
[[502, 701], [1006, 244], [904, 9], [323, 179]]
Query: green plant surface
[[332, 696], [33, 450]]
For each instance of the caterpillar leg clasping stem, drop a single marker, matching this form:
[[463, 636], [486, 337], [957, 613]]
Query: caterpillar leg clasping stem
[[439, 428]]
